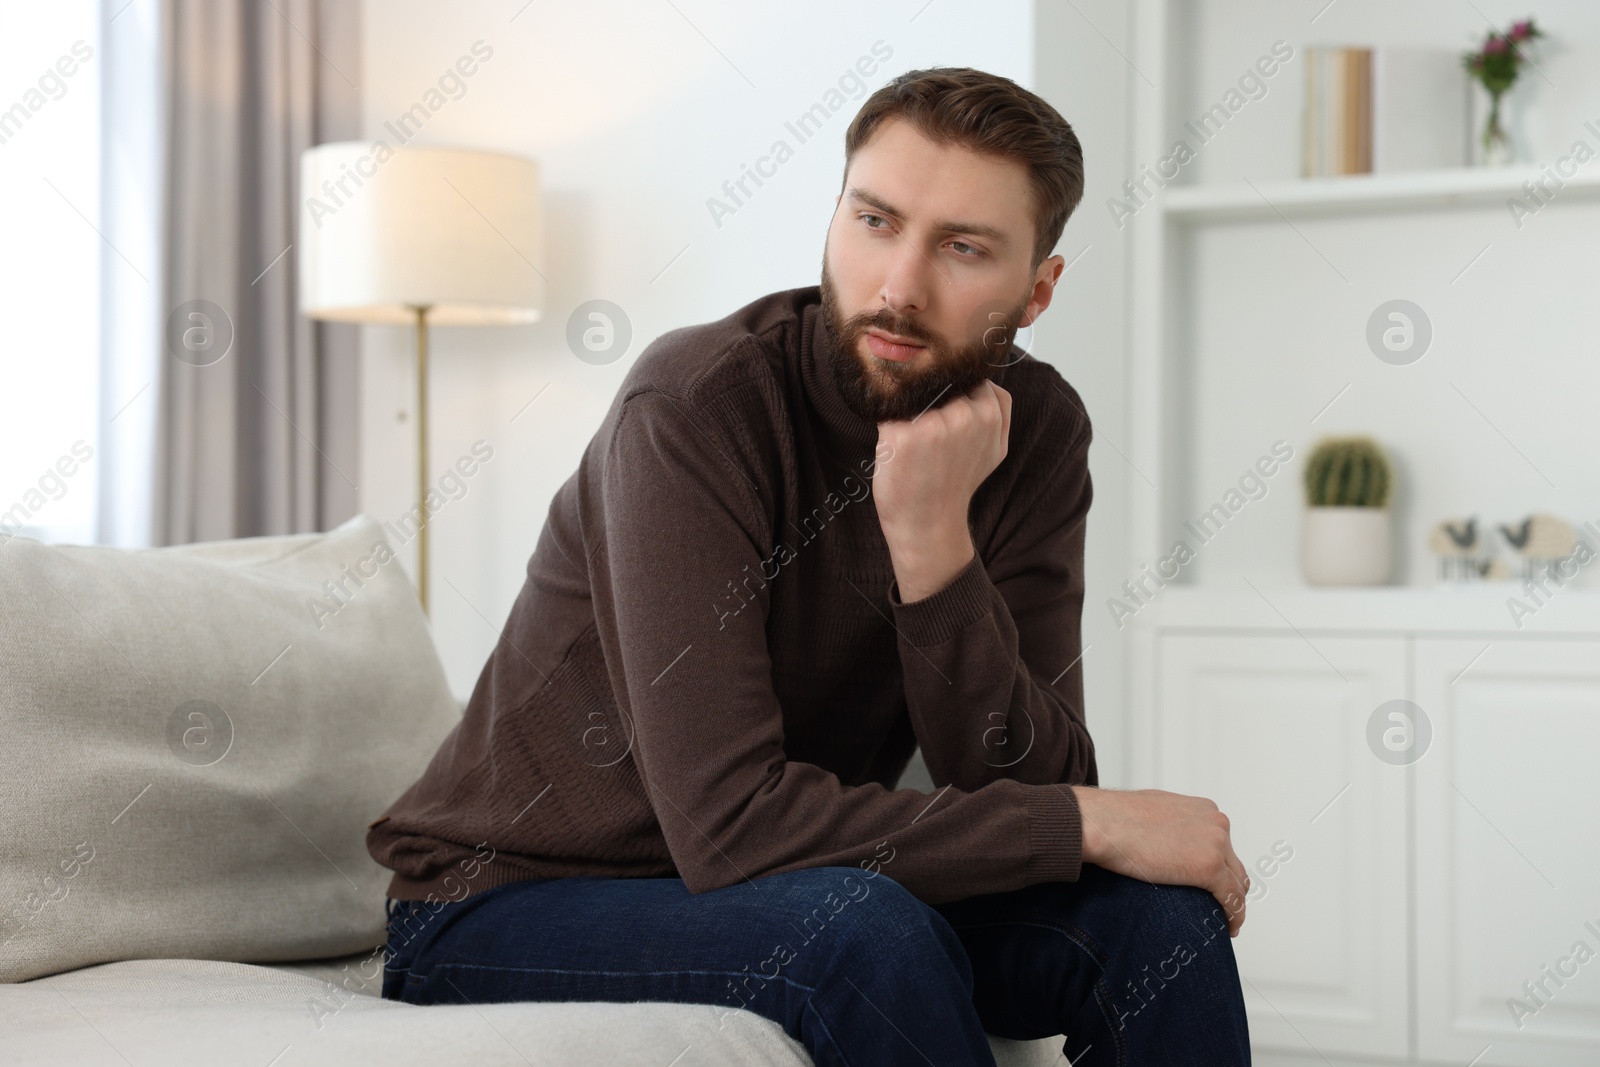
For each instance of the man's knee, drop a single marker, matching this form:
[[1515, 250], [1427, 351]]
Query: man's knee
[[858, 917], [1179, 928], [1194, 912], [1132, 917]]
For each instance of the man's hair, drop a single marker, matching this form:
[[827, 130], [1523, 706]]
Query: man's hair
[[991, 115]]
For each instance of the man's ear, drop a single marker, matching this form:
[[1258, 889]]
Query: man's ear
[[1044, 287]]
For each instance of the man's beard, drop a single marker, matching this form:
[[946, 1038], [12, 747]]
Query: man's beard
[[881, 390]]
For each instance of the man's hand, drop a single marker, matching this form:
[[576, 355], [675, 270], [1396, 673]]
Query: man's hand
[[924, 490], [1166, 838]]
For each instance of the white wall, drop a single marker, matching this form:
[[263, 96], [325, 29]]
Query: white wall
[[1081, 69], [637, 117]]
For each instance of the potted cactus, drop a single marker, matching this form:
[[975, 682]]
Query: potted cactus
[[1345, 537]]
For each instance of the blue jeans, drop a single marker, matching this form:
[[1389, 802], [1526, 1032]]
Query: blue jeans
[[852, 965]]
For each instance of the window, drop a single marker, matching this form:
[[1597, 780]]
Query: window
[[79, 268], [49, 268]]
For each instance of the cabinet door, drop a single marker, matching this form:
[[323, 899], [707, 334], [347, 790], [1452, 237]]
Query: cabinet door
[[1274, 729], [1508, 852]]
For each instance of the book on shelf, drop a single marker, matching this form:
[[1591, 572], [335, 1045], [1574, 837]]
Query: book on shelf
[[1384, 110], [1338, 116]]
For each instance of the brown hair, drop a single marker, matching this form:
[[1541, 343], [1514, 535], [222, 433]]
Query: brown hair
[[992, 115]]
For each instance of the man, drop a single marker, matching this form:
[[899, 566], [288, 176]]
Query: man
[[843, 522]]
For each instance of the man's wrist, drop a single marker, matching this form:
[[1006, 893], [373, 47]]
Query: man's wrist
[[928, 564], [1093, 843]]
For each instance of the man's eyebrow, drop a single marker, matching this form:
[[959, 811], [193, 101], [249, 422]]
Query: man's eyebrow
[[977, 229]]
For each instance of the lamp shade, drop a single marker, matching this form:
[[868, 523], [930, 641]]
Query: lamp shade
[[383, 231]]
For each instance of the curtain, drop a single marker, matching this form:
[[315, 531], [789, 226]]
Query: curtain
[[257, 425]]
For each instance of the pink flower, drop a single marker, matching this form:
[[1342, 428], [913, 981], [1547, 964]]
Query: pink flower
[[1520, 30], [1495, 45]]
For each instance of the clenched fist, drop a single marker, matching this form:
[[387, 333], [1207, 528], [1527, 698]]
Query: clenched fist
[[1165, 838], [923, 492]]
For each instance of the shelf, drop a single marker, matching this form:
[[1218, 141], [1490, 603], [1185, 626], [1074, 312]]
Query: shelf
[[1478, 609], [1359, 194]]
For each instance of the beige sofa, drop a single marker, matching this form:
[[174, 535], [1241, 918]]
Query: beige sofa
[[196, 738]]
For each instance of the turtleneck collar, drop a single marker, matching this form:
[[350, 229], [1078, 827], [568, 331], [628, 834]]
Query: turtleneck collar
[[848, 435]]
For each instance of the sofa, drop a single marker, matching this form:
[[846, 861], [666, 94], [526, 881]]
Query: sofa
[[196, 740]]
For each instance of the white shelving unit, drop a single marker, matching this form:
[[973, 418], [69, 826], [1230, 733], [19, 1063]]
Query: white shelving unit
[[1181, 217], [1474, 608], [1387, 943], [1361, 194]]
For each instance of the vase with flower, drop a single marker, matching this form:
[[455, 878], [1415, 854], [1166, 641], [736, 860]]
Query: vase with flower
[[1495, 64]]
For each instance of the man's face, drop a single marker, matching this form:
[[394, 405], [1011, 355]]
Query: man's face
[[932, 245]]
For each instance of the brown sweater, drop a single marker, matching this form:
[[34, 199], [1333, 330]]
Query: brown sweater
[[709, 673]]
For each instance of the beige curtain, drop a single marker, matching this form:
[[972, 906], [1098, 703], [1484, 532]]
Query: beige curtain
[[262, 440]]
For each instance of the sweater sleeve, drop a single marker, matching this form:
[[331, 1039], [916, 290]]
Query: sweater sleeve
[[992, 661], [682, 517]]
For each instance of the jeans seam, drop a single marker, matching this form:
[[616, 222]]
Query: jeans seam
[[812, 1002], [1102, 997], [1099, 955]]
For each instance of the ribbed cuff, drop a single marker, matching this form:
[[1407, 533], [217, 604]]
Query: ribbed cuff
[[937, 618], [1055, 834]]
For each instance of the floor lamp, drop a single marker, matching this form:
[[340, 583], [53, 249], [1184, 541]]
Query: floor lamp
[[419, 237]]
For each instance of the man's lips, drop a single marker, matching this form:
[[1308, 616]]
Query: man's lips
[[882, 346]]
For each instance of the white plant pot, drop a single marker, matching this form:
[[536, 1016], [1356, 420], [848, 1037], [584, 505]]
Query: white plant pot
[[1345, 546]]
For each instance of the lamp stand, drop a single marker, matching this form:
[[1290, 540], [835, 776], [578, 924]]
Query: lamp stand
[[422, 452]]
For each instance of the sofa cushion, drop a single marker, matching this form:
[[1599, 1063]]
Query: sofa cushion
[[196, 740], [194, 1012]]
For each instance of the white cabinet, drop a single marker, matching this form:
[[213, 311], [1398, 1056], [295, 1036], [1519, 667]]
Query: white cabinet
[[1273, 729], [1508, 852], [1441, 904]]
